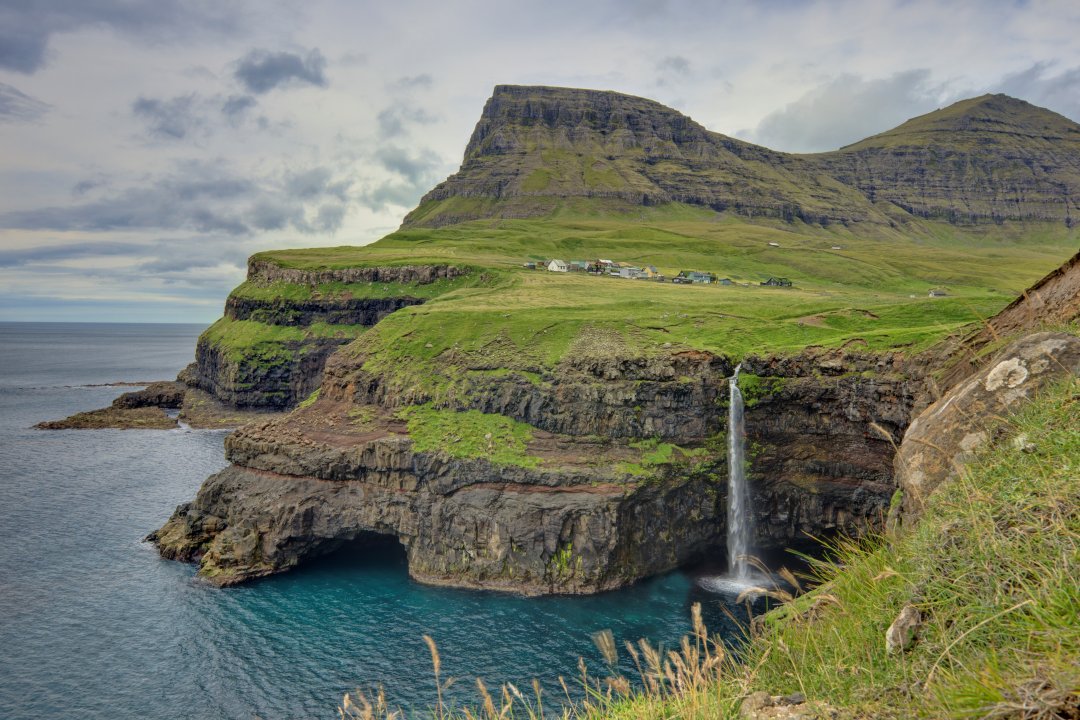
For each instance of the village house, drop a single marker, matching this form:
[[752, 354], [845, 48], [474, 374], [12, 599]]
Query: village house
[[687, 277], [558, 266], [629, 271], [777, 282], [725, 281], [579, 265], [937, 292]]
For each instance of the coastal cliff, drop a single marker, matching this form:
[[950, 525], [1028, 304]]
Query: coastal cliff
[[583, 503], [280, 326], [565, 432]]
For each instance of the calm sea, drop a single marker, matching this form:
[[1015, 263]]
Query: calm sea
[[94, 625]]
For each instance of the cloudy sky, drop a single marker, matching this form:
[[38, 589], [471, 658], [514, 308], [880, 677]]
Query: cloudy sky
[[147, 147]]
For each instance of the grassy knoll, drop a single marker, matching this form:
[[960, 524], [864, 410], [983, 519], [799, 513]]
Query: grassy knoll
[[248, 340], [991, 568], [470, 434]]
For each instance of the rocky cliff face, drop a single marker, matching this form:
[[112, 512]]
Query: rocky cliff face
[[823, 430], [986, 160], [586, 517]]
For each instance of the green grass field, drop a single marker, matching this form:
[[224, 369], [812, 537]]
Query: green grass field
[[871, 291]]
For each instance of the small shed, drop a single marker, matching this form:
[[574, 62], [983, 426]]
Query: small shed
[[529, 266], [558, 266], [649, 271], [725, 281], [579, 265], [938, 292], [774, 244], [629, 271]]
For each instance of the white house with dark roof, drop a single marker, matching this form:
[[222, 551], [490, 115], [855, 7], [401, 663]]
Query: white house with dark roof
[[558, 266]]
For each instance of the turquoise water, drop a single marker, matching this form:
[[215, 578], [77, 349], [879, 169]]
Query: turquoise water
[[93, 624]]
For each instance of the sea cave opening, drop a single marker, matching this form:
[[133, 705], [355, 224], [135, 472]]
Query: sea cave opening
[[366, 550]]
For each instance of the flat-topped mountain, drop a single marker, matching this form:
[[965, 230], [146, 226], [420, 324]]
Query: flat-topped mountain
[[538, 150]]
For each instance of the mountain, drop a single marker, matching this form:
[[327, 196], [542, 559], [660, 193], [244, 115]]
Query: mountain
[[537, 150], [536, 147], [991, 158]]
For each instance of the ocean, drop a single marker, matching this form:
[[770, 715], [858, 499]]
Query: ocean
[[93, 624]]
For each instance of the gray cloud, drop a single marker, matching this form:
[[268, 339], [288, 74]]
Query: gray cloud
[[413, 167], [846, 109], [261, 71], [1036, 85], [175, 118], [27, 26], [235, 107], [417, 173], [84, 186], [671, 69], [395, 119], [54, 253], [206, 198], [192, 115], [316, 182], [412, 82], [17, 106]]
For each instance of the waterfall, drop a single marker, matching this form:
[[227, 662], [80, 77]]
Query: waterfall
[[738, 511]]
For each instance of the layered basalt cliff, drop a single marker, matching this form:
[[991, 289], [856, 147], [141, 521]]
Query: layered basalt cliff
[[573, 527], [823, 430], [590, 510], [269, 349], [988, 159]]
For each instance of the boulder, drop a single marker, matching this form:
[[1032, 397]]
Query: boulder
[[946, 435]]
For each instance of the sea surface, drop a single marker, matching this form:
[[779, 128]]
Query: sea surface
[[93, 624]]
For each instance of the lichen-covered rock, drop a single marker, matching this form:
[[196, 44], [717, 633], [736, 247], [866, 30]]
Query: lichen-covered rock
[[943, 438], [900, 635]]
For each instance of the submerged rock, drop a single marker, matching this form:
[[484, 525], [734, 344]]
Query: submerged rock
[[141, 418]]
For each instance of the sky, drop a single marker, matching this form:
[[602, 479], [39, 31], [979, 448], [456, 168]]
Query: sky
[[148, 147]]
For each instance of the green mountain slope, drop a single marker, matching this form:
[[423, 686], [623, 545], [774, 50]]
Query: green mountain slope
[[988, 159], [537, 150]]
